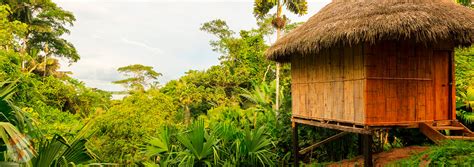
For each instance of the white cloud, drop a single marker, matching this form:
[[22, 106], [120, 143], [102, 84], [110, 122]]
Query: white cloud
[[142, 45], [164, 34]]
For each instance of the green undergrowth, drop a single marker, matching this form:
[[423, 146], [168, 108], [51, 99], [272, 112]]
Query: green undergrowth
[[449, 153]]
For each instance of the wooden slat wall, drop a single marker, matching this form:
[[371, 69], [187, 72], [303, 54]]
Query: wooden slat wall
[[405, 83], [390, 83], [330, 85]]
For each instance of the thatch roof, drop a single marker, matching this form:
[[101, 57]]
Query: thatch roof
[[350, 22]]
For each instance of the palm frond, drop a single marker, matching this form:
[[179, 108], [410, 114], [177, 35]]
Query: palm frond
[[59, 152], [262, 7], [159, 145], [7, 89], [465, 105], [10, 112], [299, 7], [199, 144], [255, 147], [78, 153], [465, 116], [49, 151], [19, 147]]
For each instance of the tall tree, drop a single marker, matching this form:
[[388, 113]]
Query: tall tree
[[139, 77], [9, 30], [47, 23], [262, 9]]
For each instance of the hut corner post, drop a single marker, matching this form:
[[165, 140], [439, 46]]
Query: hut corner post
[[294, 127], [367, 150]]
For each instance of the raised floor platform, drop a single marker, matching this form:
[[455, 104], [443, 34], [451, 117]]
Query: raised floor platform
[[437, 131]]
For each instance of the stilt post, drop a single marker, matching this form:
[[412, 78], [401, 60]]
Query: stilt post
[[360, 143], [296, 149], [367, 146]]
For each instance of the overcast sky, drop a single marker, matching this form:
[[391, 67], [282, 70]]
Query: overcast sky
[[161, 33]]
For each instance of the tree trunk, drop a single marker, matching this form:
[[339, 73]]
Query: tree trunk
[[22, 54], [277, 86], [187, 115], [45, 61], [277, 90]]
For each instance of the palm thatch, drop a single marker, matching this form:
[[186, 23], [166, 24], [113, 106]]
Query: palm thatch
[[350, 22]]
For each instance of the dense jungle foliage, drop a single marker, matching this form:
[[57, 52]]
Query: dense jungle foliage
[[222, 116]]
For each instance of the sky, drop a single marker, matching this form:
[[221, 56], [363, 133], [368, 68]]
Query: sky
[[164, 34]]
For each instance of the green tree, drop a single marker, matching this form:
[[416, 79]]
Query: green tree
[[220, 29], [262, 8], [242, 53], [47, 23], [139, 77], [261, 97], [242, 62], [124, 128], [464, 62], [188, 94], [9, 29]]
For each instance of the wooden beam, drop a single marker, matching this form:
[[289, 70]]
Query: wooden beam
[[334, 126], [466, 130], [448, 128], [395, 78], [431, 133], [346, 122], [460, 137], [332, 138]]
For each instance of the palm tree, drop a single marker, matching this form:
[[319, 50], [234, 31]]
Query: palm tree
[[10, 112], [19, 147], [261, 97], [255, 148], [262, 9], [160, 149], [59, 152], [199, 146], [220, 145]]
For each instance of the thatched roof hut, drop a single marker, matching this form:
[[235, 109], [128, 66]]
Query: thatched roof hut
[[376, 62], [350, 22], [359, 65]]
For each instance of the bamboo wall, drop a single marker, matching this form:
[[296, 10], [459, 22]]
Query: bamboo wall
[[329, 85], [390, 83], [407, 83]]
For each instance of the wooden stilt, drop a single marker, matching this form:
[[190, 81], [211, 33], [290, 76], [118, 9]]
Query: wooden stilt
[[367, 146], [294, 126], [360, 144]]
